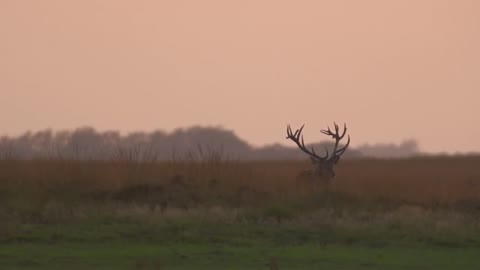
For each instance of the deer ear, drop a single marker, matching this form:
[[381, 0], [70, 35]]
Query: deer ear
[[314, 161]]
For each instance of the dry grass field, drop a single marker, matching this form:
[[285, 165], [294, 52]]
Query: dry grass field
[[436, 181]]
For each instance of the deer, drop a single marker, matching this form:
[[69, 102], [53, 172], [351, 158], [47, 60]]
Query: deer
[[322, 175]]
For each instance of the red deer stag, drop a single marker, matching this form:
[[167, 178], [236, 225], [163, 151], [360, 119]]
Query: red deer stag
[[323, 173]]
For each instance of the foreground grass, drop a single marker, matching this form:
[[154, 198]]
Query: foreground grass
[[182, 256], [193, 244]]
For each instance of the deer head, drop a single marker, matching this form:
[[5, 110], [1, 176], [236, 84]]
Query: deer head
[[323, 165]]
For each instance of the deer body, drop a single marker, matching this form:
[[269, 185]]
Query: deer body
[[308, 181]]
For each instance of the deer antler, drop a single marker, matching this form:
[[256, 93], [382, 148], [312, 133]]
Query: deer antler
[[297, 137], [337, 152]]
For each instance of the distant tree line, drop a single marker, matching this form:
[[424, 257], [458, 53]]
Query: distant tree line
[[405, 149], [195, 143]]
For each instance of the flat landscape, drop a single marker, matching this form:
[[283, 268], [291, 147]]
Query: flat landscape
[[417, 213], [158, 135]]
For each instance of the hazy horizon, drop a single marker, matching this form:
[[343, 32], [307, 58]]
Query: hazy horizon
[[392, 70], [411, 144]]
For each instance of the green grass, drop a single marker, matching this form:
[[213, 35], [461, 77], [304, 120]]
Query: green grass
[[127, 255], [127, 244]]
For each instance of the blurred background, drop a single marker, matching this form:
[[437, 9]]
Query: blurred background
[[403, 75]]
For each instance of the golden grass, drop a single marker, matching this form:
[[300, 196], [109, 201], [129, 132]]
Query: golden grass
[[426, 181], [418, 180]]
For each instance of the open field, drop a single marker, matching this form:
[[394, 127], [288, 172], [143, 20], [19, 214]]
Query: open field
[[204, 245], [421, 213]]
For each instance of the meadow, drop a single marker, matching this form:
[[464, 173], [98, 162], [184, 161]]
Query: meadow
[[417, 213]]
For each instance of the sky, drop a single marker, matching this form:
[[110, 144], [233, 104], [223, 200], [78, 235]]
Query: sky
[[392, 70]]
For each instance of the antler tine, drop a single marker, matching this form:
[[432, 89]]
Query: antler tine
[[327, 132], [290, 134], [344, 130], [300, 131]]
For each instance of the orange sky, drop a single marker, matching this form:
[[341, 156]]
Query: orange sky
[[392, 70]]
